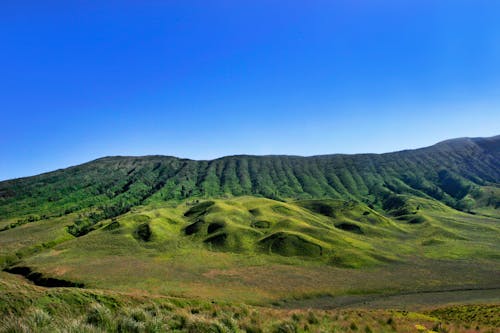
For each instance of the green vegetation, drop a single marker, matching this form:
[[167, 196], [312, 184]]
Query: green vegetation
[[27, 308], [474, 314], [458, 173], [153, 243]]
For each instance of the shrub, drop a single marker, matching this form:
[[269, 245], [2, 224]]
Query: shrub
[[203, 326], [155, 326], [14, 325], [252, 328], [230, 323], [126, 324], [99, 315], [40, 317], [312, 319], [285, 327], [178, 322], [138, 314], [143, 232]]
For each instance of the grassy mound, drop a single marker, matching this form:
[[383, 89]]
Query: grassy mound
[[287, 244], [261, 224], [416, 219], [143, 232], [218, 240], [199, 209], [112, 226], [323, 207], [239, 243], [350, 227], [194, 227], [341, 209], [213, 227]]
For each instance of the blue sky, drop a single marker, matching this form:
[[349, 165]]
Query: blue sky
[[203, 79]]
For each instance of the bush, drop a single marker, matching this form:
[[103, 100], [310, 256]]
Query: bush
[[99, 316], [155, 326], [126, 324], [203, 326], [40, 317], [285, 327], [138, 314], [177, 322], [14, 325], [143, 232], [312, 319], [230, 323], [252, 328]]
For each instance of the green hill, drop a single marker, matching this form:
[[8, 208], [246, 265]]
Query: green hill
[[262, 230], [462, 173]]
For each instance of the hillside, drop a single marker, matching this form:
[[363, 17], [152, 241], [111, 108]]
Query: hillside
[[409, 228], [461, 173]]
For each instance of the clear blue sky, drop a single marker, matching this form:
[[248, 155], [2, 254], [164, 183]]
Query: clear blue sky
[[202, 79]]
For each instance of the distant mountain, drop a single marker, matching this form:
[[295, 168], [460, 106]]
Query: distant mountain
[[461, 173]]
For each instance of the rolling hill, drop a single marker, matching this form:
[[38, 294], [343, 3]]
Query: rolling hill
[[262, 229], [456, 172]]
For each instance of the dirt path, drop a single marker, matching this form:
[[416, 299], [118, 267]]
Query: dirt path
[[404, 301]]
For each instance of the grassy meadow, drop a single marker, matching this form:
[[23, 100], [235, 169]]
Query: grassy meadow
[[256, 265], [260, 250], [28, 308], [400, 242]]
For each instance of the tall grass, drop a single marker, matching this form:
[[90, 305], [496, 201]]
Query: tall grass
[[83, 312]]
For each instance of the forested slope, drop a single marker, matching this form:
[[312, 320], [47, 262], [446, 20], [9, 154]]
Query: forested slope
[[462, 173]]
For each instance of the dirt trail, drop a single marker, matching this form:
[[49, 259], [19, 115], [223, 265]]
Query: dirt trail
[[404, 300]]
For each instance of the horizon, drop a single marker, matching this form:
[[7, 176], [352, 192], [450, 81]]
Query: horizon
[[86, 80]]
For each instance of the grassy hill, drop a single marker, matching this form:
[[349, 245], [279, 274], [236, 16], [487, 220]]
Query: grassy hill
[[462, 173], [273, 231]]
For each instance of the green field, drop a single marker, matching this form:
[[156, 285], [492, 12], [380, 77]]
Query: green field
[[259, 250], [369, 243], [28, 308]]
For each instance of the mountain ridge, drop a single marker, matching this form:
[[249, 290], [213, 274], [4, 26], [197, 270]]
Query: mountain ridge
[[453, 171], [454, 140], [460, 139]]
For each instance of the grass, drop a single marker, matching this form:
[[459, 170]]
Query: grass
[[470, 313], [248, 243], [300, 252], [28, 308], [463, 175]]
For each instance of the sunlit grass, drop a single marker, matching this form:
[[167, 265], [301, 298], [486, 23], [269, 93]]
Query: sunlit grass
[[27, 308]]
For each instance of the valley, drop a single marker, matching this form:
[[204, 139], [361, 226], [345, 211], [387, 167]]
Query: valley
[[408, 231]]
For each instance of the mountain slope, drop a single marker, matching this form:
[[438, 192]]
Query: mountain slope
[[452, 172], [260, 229]]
